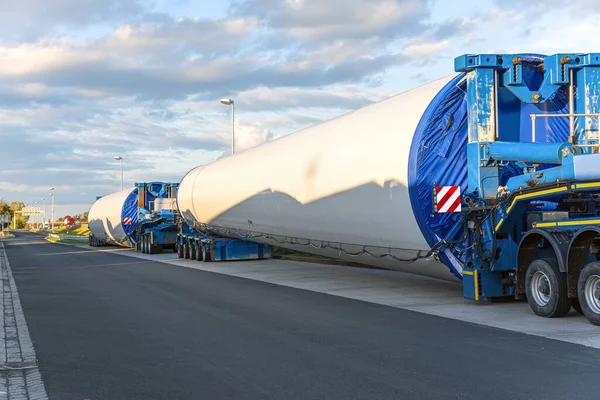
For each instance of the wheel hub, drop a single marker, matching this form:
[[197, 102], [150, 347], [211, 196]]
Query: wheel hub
[[592, 293], [541, 289]]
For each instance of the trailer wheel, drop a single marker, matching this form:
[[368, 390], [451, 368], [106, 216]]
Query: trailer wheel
[[186, 251], [192, 250], [588, 289], [144, 244], [546, 289], [205, 254], [179, 249], [198, 249]]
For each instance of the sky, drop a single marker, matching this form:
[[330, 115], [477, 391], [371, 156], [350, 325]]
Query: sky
[[84, 81]]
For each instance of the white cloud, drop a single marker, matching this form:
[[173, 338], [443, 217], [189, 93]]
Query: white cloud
[[33, 89], [425, 49], [317, 19], [13, 187]]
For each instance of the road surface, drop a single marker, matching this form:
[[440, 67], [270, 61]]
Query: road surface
[[106, 326]]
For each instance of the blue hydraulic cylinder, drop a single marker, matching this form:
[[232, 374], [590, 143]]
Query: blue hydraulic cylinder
[[543, 153]]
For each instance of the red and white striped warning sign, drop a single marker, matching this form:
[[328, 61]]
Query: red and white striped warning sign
[[126, 221], [448, 199]]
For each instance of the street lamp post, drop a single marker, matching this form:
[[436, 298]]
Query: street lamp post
[[230, 102], [52, 208], [44, 215], [37, 224], [119, 158]]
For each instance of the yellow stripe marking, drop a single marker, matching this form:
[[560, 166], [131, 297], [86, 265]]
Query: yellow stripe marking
[[546, 224], [587, 185], [569, 223], [467, 272], [580, 222], [476, 285], [535, 194], [499, 223]]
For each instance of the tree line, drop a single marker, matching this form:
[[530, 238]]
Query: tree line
[[10, 208], [22, 220]]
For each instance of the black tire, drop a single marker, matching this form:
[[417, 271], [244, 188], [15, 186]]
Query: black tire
[[144, 245], [179, 249], [576, 306], [186, 252], [199, 256], [546, 289], [192, 250], [588, 290], [205, 254]]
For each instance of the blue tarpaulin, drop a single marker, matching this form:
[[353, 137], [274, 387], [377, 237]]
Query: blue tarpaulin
[[130, 211]]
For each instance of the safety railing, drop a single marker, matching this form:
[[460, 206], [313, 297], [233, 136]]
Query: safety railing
[[534, 118]]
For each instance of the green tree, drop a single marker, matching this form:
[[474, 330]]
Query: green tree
[[20, 218], [84, 217], [5, 209]]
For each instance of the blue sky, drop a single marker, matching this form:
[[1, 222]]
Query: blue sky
[[82, 81]]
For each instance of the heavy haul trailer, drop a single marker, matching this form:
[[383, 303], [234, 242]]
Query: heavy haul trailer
[[156, 228], [490, 176], [113, 218], [195, 242], [204, 246]]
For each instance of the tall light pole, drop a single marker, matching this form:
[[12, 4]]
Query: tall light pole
[[119, 158], [229, 102], [52, 209], [44, 217], [37, 224]]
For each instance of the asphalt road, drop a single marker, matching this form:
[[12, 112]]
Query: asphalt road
[[106, 326]]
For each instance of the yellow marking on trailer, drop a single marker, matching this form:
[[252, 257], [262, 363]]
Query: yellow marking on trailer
[[580, 222], [569, 223], [535, 194], [467, 272], [546, 224], [499, 223], [587, 185], [476, 285]]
